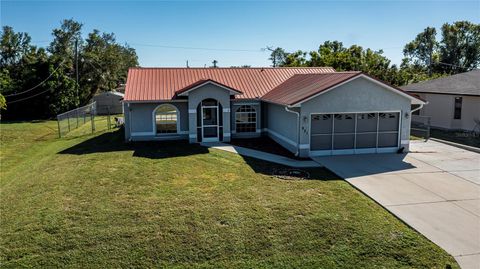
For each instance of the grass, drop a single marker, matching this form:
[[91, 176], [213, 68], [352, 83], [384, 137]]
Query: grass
[[91, 201]]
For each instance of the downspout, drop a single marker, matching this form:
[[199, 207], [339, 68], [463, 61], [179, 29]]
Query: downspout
[[129, 122], [418, 108], [298, 129]]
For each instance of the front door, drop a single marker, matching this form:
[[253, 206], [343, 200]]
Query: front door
[[210, 123]]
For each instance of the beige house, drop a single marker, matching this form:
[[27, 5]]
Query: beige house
[[453, 102]]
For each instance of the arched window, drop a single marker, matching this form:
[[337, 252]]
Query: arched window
[[246, 119], [166, 119]]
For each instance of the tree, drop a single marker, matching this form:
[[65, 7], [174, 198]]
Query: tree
[[422, 50], [3, 102], [277, 56], [13, 46], [354, 58], [39, 83], [296, 59], [104, 63], [64, 38], [460, 47]]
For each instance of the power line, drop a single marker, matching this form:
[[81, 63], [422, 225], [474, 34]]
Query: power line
[[19, 100], [38, 85], [453, 65], [196, 48]]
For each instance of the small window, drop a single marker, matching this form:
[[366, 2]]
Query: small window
[[246, 119], [457, 114], [166, 119]]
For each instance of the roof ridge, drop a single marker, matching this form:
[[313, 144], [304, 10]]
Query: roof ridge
[[267, 67]]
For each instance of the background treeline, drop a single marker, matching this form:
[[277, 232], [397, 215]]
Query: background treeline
[[425, 57], [41, 82]]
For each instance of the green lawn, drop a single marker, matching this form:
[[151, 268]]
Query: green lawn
[[91, 201]]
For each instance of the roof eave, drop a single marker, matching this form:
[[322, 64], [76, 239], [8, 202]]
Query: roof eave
[[185, 91], [415, 100]]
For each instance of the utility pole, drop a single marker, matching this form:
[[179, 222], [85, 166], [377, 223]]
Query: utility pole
[[187, 64], [76, 70]]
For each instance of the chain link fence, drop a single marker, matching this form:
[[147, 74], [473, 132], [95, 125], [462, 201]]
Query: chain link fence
[[420, 127], [76, 118], [89, 118]]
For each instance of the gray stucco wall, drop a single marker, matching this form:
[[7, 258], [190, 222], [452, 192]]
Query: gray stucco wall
[[139, 120], [359, 95], [440, 109], [258, 110], [282, 126], [208, 91]]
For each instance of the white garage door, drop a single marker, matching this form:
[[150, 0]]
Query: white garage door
[[350, 133]]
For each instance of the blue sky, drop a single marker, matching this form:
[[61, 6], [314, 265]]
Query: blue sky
[[239, 25]]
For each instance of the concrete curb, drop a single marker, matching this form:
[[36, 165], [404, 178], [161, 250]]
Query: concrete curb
[[465, 147]]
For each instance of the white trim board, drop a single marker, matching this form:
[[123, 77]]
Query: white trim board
[[152, 134], [231, 90], [142, 134], [154, 112]]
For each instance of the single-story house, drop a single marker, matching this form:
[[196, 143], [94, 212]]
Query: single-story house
[[108, 103], [309, 111], [453, 101]]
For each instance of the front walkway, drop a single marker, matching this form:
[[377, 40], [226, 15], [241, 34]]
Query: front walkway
[[435, 189], [262, 155]]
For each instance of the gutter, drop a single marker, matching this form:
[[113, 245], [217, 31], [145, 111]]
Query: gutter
[[418, 108], [298, 129]]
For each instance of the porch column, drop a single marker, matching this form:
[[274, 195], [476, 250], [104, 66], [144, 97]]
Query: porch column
[[192, 123], [226, 122]]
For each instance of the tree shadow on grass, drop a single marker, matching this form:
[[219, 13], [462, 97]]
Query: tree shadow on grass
[[114, 142]]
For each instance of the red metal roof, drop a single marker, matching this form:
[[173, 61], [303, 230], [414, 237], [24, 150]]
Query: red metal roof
[[151, 84], [302, 86]]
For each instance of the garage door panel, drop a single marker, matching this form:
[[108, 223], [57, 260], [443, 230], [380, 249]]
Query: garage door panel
[[367, 122], [388, 122], [387, 140], [322, 124], [345, 141], [344, 123], [321, 142], [366, 140]]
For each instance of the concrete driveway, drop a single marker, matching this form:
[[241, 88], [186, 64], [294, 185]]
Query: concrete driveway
[[435, 189]]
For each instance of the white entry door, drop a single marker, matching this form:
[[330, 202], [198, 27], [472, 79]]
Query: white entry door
[[210, 126]]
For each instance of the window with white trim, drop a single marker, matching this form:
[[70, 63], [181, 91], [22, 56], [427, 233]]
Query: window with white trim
[[246, 119], [457, 112], [166, 119]]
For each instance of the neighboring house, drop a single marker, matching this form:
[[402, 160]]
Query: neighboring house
[[453, 102], [309, 111], [109, 103]]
